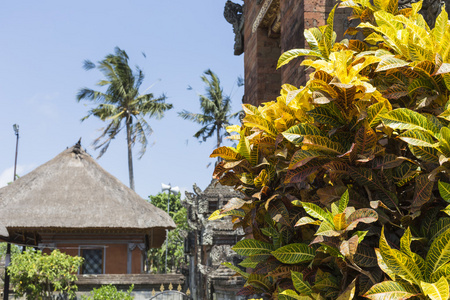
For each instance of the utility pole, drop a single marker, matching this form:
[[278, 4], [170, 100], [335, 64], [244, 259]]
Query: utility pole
[[8, 245]]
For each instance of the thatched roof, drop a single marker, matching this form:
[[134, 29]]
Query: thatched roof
[[73, 191]]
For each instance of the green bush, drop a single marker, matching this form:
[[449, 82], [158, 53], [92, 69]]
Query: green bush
[[39, 276], [346, 180], [109, 292]]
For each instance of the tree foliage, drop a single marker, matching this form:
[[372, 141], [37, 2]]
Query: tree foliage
[[216, 112], [347, 178], [121, 105], [157, 256], [109, 292], [37, 275]]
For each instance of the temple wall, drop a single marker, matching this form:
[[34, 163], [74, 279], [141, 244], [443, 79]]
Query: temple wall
[[263, 48], [261, 53]]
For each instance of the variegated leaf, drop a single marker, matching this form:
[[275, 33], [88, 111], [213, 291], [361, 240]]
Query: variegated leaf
[[303, 287], [364, 215], [294, 253], [399, 263], [322, 143], [249, 247], [227, 153], [295, 133], [444, 190], [417, 138], [365, 256], [439, 253], [218, 215], [316, 212], [301, 157], [389, 290], [307, 221], [406, 119], [436, 291], [236, 269], [289, 55], [422, 193], [260, 282]]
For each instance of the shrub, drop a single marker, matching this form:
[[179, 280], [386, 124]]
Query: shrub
[[109, 292], [346, 180], [38, 276]]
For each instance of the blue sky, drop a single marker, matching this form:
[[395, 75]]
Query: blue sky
[[43, 45]]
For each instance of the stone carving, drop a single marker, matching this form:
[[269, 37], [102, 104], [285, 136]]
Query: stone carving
[[430, 8], [209, 244], [234, 14]]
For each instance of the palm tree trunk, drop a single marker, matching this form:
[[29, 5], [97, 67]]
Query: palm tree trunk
[[130, 154], [219, 139]]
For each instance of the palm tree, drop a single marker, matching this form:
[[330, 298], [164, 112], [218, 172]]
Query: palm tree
[[121, 105], [215, 108]]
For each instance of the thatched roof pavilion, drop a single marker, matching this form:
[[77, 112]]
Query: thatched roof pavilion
[[72, 192]]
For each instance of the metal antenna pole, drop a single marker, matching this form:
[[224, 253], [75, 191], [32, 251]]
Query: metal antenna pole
[[8, 245]]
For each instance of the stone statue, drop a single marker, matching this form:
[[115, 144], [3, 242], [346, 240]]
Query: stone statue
[[234, 14], [430, 8]]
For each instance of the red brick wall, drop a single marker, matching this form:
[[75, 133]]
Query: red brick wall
[[261, 53], [292, 28], [116, 259]]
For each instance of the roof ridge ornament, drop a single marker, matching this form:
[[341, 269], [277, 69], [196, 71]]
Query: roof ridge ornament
[[77, 148]]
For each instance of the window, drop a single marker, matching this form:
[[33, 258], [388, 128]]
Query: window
[[93, 261]]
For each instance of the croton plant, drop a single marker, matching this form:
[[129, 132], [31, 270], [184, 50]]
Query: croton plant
[[346, 179]]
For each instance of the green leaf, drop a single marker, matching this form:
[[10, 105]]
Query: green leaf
[[295, 133], [218, 215], [375, 111], [388, 290], [349, 292], [244, 147], [327, 229], [436, 291], [444, 190], [427, 154], [439, 253], [227, 153], [322, 143], [316, 212], [253, 261], [390, 62], [418, 84], [249, 247], [328, 114], [289, 55], [259, 281], [260, 122], [236, 269], [313, 36], [301, 157], [294, 253], [406, 119], [307, 221], [303, 287], [399, 263], [417, 138], [290, 294]]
